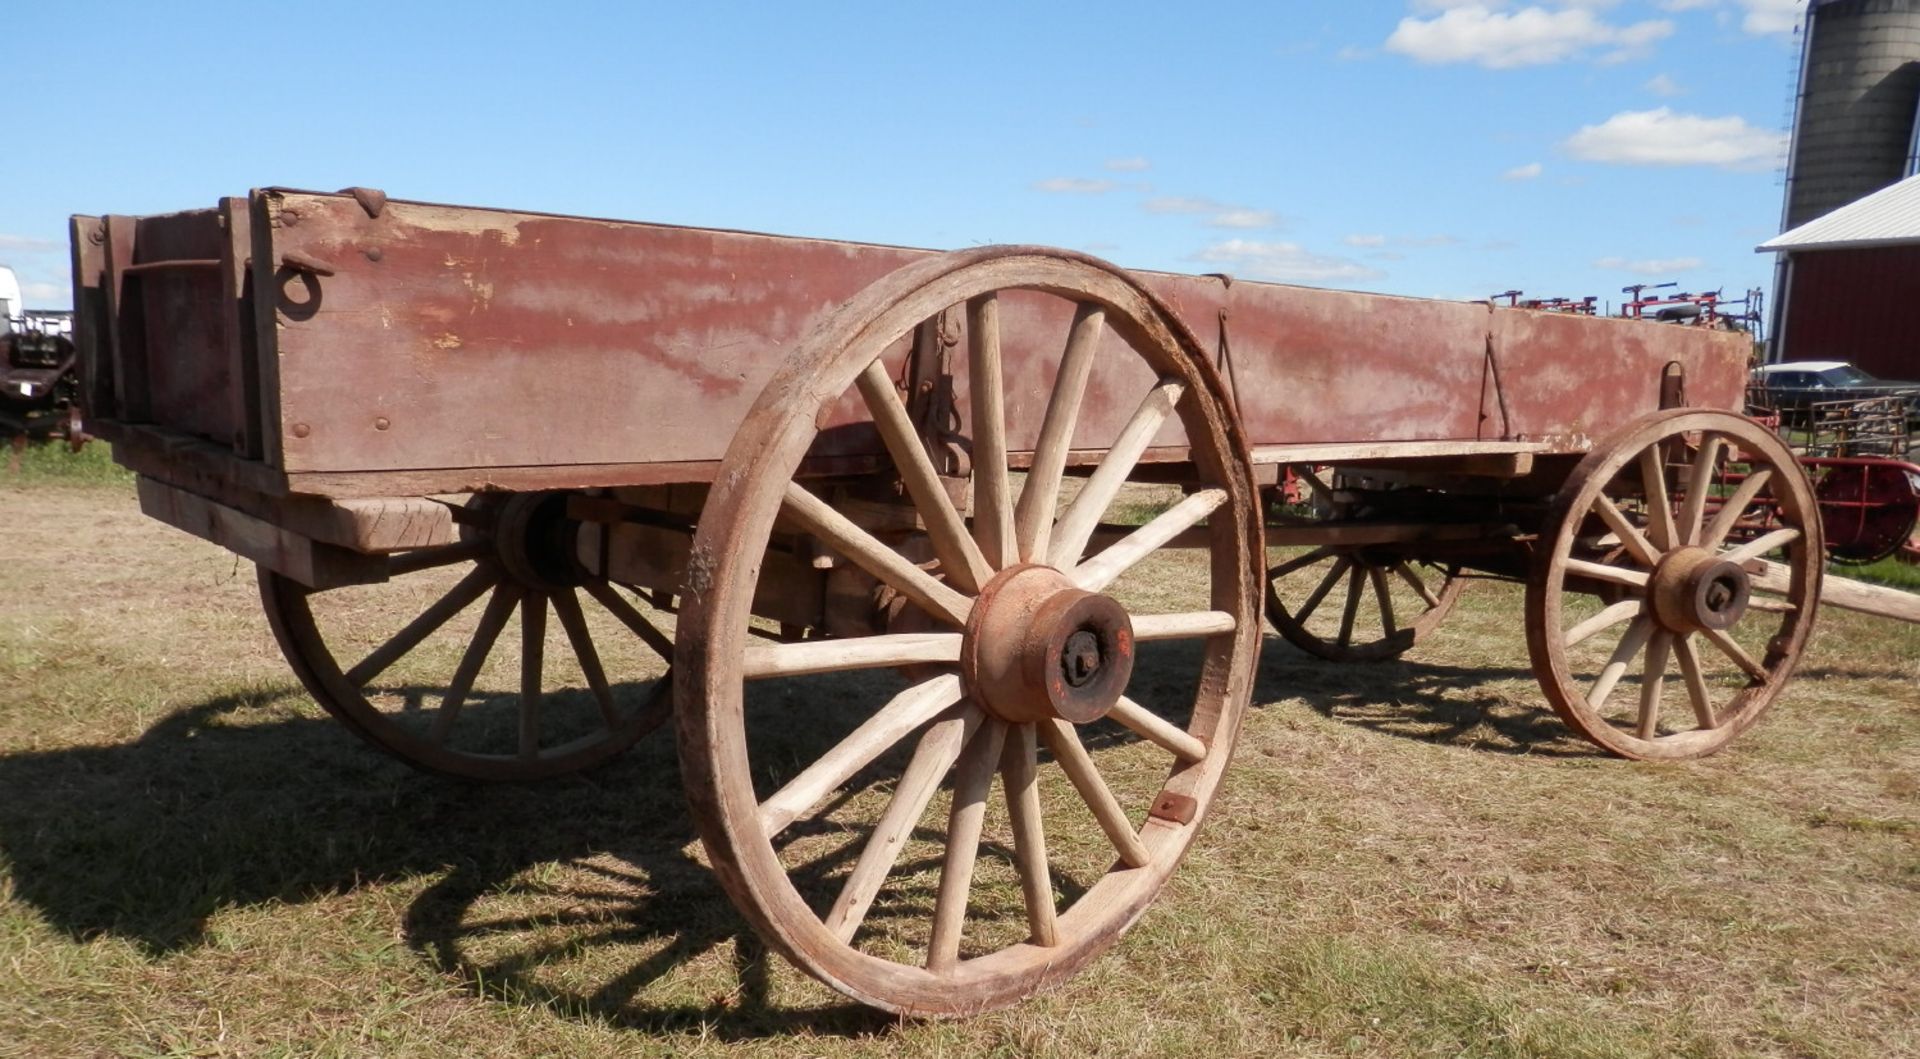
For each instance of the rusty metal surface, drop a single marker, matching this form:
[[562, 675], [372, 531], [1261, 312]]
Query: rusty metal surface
[[437, 347]]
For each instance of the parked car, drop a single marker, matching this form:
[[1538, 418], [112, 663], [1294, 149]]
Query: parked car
[[1793, 388]]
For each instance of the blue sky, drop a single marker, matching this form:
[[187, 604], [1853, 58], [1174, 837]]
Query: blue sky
[[1431, 147]]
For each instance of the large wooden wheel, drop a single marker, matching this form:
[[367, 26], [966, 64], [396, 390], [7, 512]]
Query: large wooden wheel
[[1655, 559], [812, 795], [433, 667]]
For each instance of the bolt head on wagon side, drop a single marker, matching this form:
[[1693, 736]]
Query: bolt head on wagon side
[[925, 554]]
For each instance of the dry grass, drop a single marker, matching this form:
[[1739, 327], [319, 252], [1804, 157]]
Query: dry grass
[[1409, 859]]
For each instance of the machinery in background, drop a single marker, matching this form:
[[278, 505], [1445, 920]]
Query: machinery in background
[[38, 383]]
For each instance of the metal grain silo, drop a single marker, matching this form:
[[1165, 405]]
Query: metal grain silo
[[1854, 121]]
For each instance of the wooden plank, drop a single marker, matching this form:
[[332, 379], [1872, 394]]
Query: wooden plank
[[240, 338], [1845, 593], [266, 336], [303, 559], [126, 330], [371, 525], [92, 323], [1358, 451]]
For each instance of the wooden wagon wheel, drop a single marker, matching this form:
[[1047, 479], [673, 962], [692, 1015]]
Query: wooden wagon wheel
[[429, 692], [1027, 649], [1653, 553], [1355, 603]]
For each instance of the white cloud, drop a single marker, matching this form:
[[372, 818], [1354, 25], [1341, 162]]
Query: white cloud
[[1656, 266], [1284, 262], [1365, 239], [1243, 218], [1181, 204], [1759, 17], [1662, 137], [1772, 16], [1135, 164], [1662, 85], [27, 244], [1523, 172], [1530, 36], [1353, 53], [44, 292], [1073, 186], [1219, 214]]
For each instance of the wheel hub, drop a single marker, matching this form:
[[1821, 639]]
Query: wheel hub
[[534, 540], [1694, 589], [1038, 648]]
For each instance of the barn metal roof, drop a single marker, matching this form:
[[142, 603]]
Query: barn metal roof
[[1888, 217]]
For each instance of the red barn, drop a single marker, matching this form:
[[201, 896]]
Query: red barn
[[1851, 285]]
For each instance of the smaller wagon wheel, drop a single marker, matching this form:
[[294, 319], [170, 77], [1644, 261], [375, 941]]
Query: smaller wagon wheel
[[1653, 559], [433, 667], [1357, 603], [815, 770]]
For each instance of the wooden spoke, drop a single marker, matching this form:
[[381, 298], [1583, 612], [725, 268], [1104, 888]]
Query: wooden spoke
[[533, 644], [1629, 534], [1414, 582], [959, 556], [419, 559], [1181, 626], [863, 652], [1378, 575], [1158, 730], [1699, 483], [1653, 678], [1771, 606], [992, 492], [1075, 528], [866, 551], [457, 599], [635, 622], [1696, 682], [1298, 562], [1101, 570], [1762, 544], [1735, 505], [1340, 567], [1631, 644], [908, 710], [1041, 495], [1653, 478], [1352, 610], [1085, 776], [492, 620], [1606, 619], [1019, 782], [567, 606], [1737, 653], [939, 748], [1603, 572], [973, 782]]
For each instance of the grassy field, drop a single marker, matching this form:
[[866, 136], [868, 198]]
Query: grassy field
[[1410, 859]]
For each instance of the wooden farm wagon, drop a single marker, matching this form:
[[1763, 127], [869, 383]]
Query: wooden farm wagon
[[900, 522]]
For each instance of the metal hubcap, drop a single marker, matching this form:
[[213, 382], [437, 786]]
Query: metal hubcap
[[1038, 648]]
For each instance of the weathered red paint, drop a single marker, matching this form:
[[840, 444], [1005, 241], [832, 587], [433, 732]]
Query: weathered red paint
[[420, 348]]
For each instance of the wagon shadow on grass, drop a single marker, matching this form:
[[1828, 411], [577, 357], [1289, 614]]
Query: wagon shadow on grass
[[214, 808], [1424, 701]]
